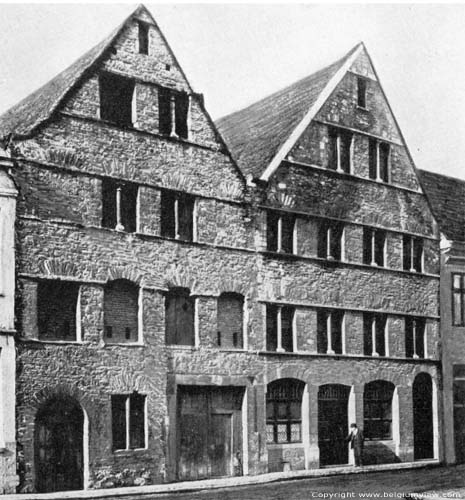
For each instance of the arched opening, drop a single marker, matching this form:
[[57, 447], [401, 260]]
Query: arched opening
[[333, 420], [121, 311], [59, 446], [423, 417]]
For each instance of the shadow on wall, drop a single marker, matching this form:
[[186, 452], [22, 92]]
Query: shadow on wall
[[379, 452]]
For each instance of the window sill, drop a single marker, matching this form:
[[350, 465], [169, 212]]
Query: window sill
[[378, 441], [362, 108], [279, 446], [124, 344], [130, 451], [176, 347], [52, 342]]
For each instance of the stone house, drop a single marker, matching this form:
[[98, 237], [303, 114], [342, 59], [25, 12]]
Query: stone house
[[191, 307], [447, 197]]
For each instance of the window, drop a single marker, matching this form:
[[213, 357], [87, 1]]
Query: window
[[415, 337], [458, 299], [284, 411], [230, 320], [374, 241], [119, 205], [179, 317], [57, 309], [177, 215], [330, 326], [361, 92], [116, 99], [280, 232], [121, 311], [279, 328], [143, 38], [412, 252], [377, 409], [330, 240], [173, 111], [374, 334], [340, 150], [378, 159], [128, 421]]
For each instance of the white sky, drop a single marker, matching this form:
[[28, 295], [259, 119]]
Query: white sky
[[236, 54]]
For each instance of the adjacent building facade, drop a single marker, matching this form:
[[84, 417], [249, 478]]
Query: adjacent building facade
[[197, 300]]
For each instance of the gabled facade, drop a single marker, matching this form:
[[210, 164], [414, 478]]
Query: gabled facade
[[174, 322]]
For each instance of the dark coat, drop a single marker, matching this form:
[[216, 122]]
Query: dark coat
[[356, 441]]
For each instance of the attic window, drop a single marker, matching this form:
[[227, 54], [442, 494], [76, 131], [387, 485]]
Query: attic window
[[361, 92], [143, 38], [173, 111], [116, 99]]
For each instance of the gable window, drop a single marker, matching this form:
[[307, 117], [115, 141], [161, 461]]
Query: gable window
[[415, 337], [378, 159], [280, 232], [57, 310], [116, 99], [330, 328], [119, 205], [374, 243], [361, 92], [284, 411], [458, 299], [374, 334], [340, 150], [180, 317], [377, 410], [121, 311], [412, 254], [128, 421], [143, 29], [177, 215], [331, 240], [230, 320], [279, 328], [173, 112]]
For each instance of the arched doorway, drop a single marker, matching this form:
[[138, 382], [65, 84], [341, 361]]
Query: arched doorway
[[58, 446], [333, 400], [423, 417]]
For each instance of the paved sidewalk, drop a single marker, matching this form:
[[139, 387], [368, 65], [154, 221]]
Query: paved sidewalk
[[224, 483]]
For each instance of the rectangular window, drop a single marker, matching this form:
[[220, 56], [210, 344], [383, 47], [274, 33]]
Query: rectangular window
[[116, 99], [361, 92], [177, 215], [143, 38], [180, 317], [412, 254], [458, 299], [330, 325], [128, 421], [279, 328], [330, 240], [374, 334], [415, 337], [280, 232], [56, 310], [374, 241], [119, 205], [173, 112], [378, 159], [340, 150]]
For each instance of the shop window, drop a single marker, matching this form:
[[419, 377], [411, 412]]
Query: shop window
[[377, 409], [374, 334], [121, 311], [330, 325], [230, 320], [119, 205], [330, 240], [179, 317], [374, 242], [116, 99], [128, 421], [284, 411], [415, 337], [57, 309], [279, 328], [177, 215], [280, 232]]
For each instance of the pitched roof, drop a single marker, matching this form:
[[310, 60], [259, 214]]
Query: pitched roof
[[24, 117], [447, 199], [256, 133]]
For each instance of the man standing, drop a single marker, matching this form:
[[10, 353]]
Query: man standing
[[355, 438]]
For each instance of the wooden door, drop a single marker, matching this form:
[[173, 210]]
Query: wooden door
[[220, 446], [59, 447], [459, 420]]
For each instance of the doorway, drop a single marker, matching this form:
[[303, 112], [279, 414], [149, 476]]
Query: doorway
[[423, 417]]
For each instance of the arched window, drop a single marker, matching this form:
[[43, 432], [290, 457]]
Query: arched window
[[179, 317], [377, 405], [230, 320], [121, 311], [284, 411]]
